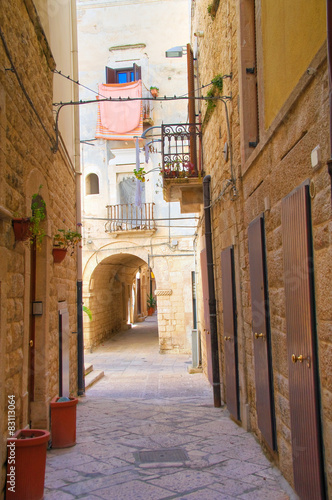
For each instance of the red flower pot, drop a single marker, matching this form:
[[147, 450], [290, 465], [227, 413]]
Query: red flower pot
[[26, 461], [59, 254], [150, 311], [63, 423], [21, 229]]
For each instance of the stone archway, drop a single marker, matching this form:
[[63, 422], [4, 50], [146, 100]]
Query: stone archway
[[115, 292]]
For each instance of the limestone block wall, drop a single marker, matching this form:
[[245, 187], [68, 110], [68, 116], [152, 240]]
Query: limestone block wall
[[279, 164], [27, 166]]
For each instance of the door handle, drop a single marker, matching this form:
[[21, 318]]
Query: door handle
[[259, 335], [31, 343], [227, 338], [301, 358]]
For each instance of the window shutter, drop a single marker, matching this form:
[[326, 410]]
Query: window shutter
[[191, 105], [110, 75], [137, 72]]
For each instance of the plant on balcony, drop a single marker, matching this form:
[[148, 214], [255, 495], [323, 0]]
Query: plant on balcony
[[65, 240], [154, 91], [174, 171]]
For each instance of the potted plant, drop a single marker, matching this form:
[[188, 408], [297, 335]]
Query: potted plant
[[63, 422], [154, 91], [151, 303], [63, 241], [29, 228], [26, 461]]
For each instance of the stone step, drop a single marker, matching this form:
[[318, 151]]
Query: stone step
[[92, 378], [88, 368]]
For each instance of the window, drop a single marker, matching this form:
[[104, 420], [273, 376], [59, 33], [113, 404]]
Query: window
[[123, 75], [92, 184]]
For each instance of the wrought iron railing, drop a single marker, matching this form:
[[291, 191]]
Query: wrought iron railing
[[180, 143], [129, 217]]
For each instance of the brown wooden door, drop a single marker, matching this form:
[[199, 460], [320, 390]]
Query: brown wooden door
[[301, 339], [206, 333], [230, 331], [261, 331]]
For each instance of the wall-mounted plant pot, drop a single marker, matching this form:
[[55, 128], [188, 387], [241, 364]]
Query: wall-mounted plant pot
[[21, 228], [59, 254], [63, 422], [26, 453], [154, 93]]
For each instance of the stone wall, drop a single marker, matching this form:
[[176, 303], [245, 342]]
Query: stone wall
[[28, 165], [279, 164]]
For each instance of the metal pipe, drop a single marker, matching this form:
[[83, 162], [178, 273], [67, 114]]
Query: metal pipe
[[78, 171], [329, 62], [212, 297]]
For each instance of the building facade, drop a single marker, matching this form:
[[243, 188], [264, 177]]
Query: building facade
[[133, 247], [265, 148], [38, 169]]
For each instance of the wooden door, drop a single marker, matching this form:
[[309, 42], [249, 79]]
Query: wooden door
[[206, 333], [230, 331], [261, 331], [301, 345]]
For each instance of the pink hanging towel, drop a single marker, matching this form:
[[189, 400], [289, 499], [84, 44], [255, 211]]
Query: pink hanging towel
[[120, 120]]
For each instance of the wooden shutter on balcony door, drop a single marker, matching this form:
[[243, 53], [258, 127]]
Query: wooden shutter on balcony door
[[110, 75], [191, 105], [261, 330], [301, 341], [206, 335], [230, 331]]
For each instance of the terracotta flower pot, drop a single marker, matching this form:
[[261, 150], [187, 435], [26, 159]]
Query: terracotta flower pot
[[59, 254], [26, 461], [150, 311], [63, 422], [21, 229], [154, 93]]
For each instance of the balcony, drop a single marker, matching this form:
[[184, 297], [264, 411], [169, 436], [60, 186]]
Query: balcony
[[182, 166], [130, 219]]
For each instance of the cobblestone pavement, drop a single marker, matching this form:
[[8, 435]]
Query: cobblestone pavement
[[147, 402]]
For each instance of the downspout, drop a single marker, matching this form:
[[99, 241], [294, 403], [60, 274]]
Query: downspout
[[78, 177], [329, 62], [212, 297]]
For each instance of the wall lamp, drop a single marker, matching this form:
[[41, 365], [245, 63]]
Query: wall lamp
[[178, 51]]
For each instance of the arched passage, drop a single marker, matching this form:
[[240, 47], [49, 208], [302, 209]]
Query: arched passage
[[116, 294]]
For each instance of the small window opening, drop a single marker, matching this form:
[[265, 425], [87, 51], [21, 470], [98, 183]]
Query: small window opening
[[92, 184]]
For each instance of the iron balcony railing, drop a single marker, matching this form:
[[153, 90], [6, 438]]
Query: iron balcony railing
[[180, 144], [129, 217]]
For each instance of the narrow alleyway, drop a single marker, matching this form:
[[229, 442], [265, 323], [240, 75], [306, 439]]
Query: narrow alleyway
[[148, 430]]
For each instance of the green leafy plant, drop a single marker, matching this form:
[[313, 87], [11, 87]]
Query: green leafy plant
[[212, 8], [67, 239], [151, 302], [215, 91], [88, 312], [38, 207], [140, 174], [154, 88]]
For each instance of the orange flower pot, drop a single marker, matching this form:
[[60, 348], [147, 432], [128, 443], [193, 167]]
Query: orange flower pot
[[59, 254], [21, 229], [26, 462], [63, 423]]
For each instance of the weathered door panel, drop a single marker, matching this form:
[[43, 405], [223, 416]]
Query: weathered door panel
[[230, 331], [302, 359], [206, 333], [261, 331]]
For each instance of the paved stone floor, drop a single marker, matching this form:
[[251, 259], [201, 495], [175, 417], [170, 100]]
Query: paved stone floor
[[148, 402]]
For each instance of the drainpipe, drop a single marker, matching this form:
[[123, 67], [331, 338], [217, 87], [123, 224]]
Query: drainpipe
[[78, 176], [212, 297], [329, 62]]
